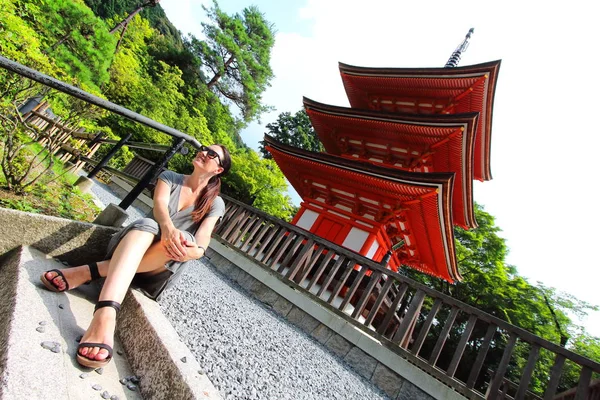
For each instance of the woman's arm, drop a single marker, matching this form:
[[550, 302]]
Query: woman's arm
[[171, 237], [197, 250]]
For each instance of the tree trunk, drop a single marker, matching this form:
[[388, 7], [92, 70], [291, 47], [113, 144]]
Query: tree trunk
[[126, 20], [216, 78], [61, 41], [150, 3]]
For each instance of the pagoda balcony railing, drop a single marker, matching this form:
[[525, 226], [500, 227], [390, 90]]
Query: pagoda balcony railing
[[448, 339]]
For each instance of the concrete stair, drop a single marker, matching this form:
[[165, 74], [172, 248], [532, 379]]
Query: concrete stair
[[149, 346]]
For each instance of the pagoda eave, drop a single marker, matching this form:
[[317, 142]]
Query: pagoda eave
[[418, 203], [409, 142], [430, 91]]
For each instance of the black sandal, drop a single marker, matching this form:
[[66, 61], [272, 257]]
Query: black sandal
[[49, 283], [87, 362]]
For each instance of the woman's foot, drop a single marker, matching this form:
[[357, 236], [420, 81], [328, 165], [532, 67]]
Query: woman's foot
[[95, 347], [60, 280]]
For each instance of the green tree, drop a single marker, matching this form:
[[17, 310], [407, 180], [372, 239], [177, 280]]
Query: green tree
[[293, 130], [78, 42], [259, 183], [236, 56], [495, 287], [155, 15]]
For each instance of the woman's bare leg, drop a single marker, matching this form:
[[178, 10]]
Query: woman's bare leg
[[135, 253]]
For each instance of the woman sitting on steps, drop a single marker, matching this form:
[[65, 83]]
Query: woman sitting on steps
[[151, 251]]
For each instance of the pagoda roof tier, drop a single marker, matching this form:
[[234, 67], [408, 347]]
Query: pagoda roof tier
[[413, 207], [417, 143], [430, 91]]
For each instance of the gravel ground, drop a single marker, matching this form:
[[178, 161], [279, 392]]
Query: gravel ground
[[247, 351]]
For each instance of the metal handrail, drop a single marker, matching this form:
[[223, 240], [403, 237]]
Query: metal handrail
[[179, 138], [46, 80]]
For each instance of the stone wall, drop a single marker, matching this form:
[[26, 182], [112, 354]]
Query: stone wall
[[71, 241]]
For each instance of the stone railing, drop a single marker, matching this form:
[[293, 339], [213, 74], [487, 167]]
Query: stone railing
[[413, 320]]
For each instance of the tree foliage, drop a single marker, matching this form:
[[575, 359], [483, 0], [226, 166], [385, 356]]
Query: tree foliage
[[156, 76], [496, 288], [260, 183], [155, 15], [293, 130], [236, 57], [78, 42]]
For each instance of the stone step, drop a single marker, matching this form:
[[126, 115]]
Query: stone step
[[146, 345]]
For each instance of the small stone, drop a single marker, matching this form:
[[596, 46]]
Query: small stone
[[184, 359], [52, 346], [124, 381], [114, 397], [131, 386], [99, 371], [61, 306], [201, 371], [83, 375], [40, 329], [120, 352], [42, 323], [48, 345], [105, 395], [134, 379], [78, 338], [97, 387]]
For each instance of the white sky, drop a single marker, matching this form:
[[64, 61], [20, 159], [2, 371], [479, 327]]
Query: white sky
[[544, 134]]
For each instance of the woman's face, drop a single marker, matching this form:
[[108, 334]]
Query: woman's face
[[209, 158]]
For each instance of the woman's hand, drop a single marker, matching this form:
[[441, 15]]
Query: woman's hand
[[193, 252], [173, 242]]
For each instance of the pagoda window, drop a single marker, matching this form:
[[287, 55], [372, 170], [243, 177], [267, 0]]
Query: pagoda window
[[307, 219], [356, 239], [372, 250]]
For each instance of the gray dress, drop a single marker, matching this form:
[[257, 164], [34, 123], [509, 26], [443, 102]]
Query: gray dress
[[153, 285]]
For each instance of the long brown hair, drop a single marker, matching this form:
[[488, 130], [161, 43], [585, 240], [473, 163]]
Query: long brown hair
[[212, 189]]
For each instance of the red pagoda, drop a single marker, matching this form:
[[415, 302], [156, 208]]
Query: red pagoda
[[399, 165], [369, 209], [416, 143], [430, 91]]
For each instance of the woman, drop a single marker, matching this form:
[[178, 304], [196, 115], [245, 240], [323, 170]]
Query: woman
[[153, 250]]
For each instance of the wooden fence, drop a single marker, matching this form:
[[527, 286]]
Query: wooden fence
[[402, 313], [67, 141]]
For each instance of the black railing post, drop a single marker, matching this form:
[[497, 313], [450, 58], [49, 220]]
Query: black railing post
[[96, 139], [108, 156], [152, 174], [386, 258]]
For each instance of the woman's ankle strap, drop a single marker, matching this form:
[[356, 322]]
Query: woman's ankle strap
[[108, 303]]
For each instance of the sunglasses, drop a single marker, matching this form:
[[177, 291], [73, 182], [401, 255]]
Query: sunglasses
[[210, 153]]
